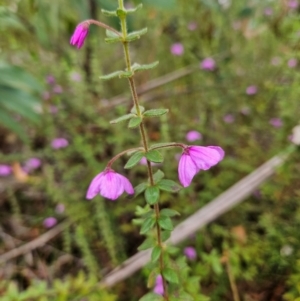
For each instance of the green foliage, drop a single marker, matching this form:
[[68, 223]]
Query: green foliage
[[155, 112], [134, 159], [152, 195], [154, 156]]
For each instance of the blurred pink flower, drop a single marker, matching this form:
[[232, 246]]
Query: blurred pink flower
[[75, 76], [229, 118], [245, 111], [177, 49], [193, 136], [46, 95], [276, 61], [5, 170], [57, 89], [251, 90], [208, 64], [49, 222], [196, 158], [292, 63], [192, 26], [53, 109], [50, 79], [159, 287], [109, 184], [268, 11], [276, 122], [58, 143], [31, 164], [60, 208], [293, 4], [79, 35], [190, 253]]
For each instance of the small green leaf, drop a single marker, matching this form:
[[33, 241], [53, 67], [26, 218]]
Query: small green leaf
[[147, 244], [170, 275], [133, 110], [158, 176], [132, 10], [165, 222], [183, 296], [113, 39], [152, 195], [111, 34], [139, 189], [135, 35], [134, 159], [152, 297], [147, 224], [152, 277], [109, 13], [134, 122], [137, 67], [155, 112], [112, 75], [169, 212], [169, 185], [165, 235], [122, 118], [154, 156], [155, 253]]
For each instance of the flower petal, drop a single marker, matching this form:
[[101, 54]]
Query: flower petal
[[186, 170], [112, 186], [126, 184], [95, 186]]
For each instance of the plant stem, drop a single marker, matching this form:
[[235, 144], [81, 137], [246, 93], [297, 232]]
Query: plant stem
[[144, 141]]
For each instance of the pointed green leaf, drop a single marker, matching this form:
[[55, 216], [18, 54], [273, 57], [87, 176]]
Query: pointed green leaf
[[134, 122], [134, 159], [133, 110], [155, 112], [152, 195], [139, 189], [135, 35], [152, 297], [165, 222], [147, 225], [155, 254], [170, 275], [158, 176], [132, 10], [165, 235], [154, 156], [122, 118], [183, 296], [111, 34], [169, 212], [112, 75], [113, 39], [169, 185], [137, 67], [109, 13], [147, 244]]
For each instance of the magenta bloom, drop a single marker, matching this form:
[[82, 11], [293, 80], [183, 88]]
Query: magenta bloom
[[5, 170], [293, 4], [193, 136], [58, 143], [196, 158], [292, 63], [177, 49], [228, 118], [192, 26], [190, 253], [268, 11], [251, 90], [109, 184], [79, 35], [208, 64], [159, 287], [57, 89], [49, 222], [31, 164], [50, 79], [276, 122], [60, 208]]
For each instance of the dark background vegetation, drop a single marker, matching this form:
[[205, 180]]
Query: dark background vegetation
[[257, 242]]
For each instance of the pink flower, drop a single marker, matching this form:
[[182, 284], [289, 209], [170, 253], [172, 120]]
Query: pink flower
[[293, 4], [109, 184], [57, 89], [50, 79], [251, 90], [49, 222], [192, 26], [276, 122], [5, 170], [177, 49], [292, 63], [208, 64], [53, 109], [31, 164], [76, 77], [276, 61], [159, 287], [193, 136], [60, 208], [79, 35], [228, 118], [58, 143], [268, 11], [190, 253], [196, 158]]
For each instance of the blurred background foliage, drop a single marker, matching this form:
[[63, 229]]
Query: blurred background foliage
[[49, 90]]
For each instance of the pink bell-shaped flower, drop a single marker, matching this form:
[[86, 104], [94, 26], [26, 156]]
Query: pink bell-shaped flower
[[109, 184], [79, 35], [195, 158]]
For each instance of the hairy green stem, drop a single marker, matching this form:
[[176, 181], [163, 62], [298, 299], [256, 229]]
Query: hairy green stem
[[144, 141]]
